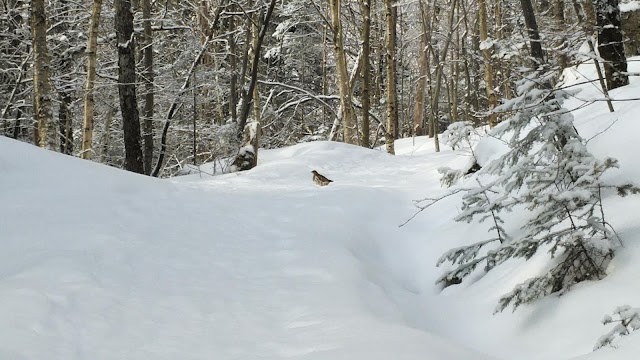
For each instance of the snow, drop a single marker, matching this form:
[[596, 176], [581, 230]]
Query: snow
[[110, 265], [98, 263], [487, 44], [630, 6]]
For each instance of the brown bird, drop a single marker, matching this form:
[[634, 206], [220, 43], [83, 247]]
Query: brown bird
[[319, 179]]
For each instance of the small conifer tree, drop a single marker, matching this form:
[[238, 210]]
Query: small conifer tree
[[549, 171]]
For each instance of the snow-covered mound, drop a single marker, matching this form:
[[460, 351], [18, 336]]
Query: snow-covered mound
[[97, 263]]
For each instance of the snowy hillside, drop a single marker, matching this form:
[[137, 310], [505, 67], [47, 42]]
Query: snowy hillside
[[98, 263]]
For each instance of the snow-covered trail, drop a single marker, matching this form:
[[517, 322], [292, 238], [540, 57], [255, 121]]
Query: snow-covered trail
[[102, 264]]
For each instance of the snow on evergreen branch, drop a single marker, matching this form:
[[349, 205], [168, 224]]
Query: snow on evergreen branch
[[459, 136], [449, 176], [628, 320], [579, 261]]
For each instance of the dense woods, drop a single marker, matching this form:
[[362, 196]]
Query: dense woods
[[154, 86]]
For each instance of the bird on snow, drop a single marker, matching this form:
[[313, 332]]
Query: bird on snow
[[319, 179]]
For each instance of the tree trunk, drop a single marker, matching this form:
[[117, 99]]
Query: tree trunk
[[324, 73], [202, 19], [469, 92], [486, 54], [63, 71], [65, 122], [148, 87], [41, 78], [366, 69], [257, 118], [558, 24], [16, 125], [475, 65], [399, 71], [589, 12], [499, 16], [558, 11], [106, 136], [12, 13], [421, 84], [92, 45], [610, 44], [585, 25], [233, 82], [16, 89], [346, 106], [532, 30], [455, 76], [392, 92], [127, 86]]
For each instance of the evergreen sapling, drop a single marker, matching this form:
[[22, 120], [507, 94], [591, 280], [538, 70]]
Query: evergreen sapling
[[549, 171]]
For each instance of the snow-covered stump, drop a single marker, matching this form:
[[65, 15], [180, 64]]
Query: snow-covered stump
[[247, 157]]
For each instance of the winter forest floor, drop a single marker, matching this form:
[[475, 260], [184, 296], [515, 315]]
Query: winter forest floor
[[97, 263]]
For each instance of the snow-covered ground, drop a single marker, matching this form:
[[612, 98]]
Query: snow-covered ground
[[97, 263]]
